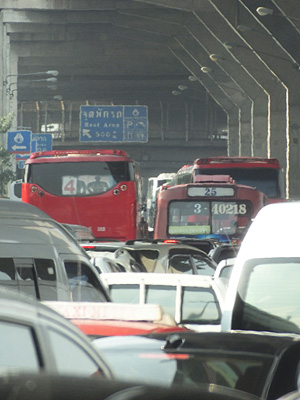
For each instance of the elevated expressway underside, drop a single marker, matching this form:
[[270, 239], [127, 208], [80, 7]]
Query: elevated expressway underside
[[217, 77]]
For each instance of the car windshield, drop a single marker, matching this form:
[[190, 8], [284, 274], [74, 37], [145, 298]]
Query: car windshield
[[263, 303]]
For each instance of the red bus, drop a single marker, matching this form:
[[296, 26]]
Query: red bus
[[100, 189], [265, 174], [214, 207]]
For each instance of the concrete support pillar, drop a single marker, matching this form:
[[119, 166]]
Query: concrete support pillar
[[233, 131], [294, 144], [4, 67], [12, 97], [246, 128], [261, 126], [278, 122]]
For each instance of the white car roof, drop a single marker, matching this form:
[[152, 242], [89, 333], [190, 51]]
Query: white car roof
[[159, 279]]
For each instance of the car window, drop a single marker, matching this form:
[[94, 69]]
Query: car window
[[84, 284], [202, 266], [165, 296], [36, 277], [18, 348], [226, 272], [70, 358], [200, 306], [129, 293], [147, 258], [180, 264]]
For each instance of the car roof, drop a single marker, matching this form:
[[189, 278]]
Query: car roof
[[102, 246], [273, 232], [159, 245], [21, 210], [156, 279], [221, 342], [26, 306]]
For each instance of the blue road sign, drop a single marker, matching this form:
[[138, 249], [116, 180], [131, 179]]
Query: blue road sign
[[113, 123], [22, 157], [43, 141], [21, 164], [19, 141], [135, 124]]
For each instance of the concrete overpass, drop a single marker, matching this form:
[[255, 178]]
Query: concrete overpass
[[218, 77]]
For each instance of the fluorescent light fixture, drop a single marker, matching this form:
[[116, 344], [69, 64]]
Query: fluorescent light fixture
[[263, 11], [193, 78], [244, 28], [206, 70], [215, 57], [230, 45]]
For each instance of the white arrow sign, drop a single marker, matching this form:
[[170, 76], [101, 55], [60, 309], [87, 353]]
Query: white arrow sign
[[86, 132], [16, 147]]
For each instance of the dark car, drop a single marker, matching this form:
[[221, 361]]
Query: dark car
[[34, 387], [224, 251], [266, 365]]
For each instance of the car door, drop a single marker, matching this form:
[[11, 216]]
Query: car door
[[83, 279]]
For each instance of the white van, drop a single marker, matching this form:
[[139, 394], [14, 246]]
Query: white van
[[16, 190], [153, 184], [40, 257], [264, 287]]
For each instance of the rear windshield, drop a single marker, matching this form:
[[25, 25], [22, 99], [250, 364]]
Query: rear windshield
[[268, 181], [84, 178]]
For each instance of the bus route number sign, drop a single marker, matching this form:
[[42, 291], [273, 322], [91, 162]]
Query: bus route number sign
[[209, 191]]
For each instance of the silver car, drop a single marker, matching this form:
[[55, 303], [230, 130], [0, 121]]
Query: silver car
[[36, 339]]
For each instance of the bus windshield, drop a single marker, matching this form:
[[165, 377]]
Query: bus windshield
[[81, 178], [263, 179], [208, 217]]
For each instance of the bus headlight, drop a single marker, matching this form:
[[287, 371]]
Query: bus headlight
[[116, 192], [33, 189], [123, 188]]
